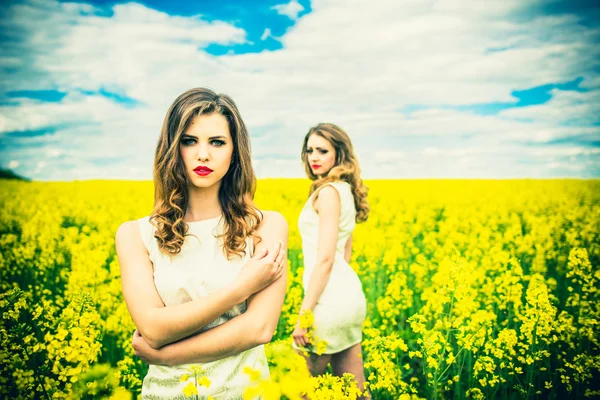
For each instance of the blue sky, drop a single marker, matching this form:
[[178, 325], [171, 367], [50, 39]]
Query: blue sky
[[426, 89]]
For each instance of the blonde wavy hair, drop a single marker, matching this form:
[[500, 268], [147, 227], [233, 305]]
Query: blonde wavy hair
[[236, 192], [346, 166]]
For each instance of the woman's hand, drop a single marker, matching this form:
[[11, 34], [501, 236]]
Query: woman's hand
[[263, 269], [143, 350], [299, 335]]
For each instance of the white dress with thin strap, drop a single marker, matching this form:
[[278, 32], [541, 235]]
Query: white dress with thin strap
[[342, 307], [201, 268]]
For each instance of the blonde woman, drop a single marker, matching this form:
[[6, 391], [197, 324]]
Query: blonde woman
[[204, 275], [332, 290]]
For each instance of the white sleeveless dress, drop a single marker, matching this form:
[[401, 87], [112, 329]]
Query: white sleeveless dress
[[200, 269], [342, 307]]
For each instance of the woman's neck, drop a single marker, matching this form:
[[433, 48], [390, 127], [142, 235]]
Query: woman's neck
[[203, 204]]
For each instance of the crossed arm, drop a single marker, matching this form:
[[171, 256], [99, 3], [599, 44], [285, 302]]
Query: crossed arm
[[157, 324], [252, 328]]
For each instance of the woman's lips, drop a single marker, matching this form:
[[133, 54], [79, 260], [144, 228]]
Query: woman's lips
[[315, 166], [203, 171]]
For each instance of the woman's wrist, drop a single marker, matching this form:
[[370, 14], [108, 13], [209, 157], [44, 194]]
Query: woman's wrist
[[306, 306], [164, 356], [240, 292]]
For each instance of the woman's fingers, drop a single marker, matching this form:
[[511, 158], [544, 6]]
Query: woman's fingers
[[279, 258], [306, 343], [272, 260], [282, 254], [262, 252], [300, 340], [299, 336], [270, 256], [279, 273], [134, 341], [276, 250]]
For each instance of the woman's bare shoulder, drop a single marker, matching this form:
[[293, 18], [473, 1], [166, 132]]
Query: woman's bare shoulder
[[128, 230], [328, 192], [272, 220]]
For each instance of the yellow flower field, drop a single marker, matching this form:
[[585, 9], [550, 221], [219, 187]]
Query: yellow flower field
[[475, 289]]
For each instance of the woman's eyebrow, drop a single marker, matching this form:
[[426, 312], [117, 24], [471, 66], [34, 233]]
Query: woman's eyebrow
[[210, 138]]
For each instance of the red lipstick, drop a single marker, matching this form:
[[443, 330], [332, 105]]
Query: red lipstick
[[202, 170], [315, 166]]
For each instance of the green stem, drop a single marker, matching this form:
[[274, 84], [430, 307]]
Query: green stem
[[37, 376], [441, 358], [461, 349]]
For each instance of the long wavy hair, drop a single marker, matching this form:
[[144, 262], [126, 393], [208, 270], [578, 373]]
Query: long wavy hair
[[236, 192], [346, 166]]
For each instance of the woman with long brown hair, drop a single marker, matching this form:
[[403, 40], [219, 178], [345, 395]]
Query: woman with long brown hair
[[332, 291], [204, 275]]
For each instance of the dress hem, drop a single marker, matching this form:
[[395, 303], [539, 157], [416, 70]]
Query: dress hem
[[327, 352]]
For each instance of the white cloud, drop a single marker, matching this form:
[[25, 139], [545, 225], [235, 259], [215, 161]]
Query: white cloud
[[431, 151], [266, 34], [591, 81], [359, 72], [13, 164], [50, 152], [564, 165], [86, 51], [290, 10], [388, 156]]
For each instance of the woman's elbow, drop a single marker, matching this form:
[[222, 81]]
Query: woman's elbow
[[156, 344], [265, 332], [325, 264], [153, 334], [152, 339]]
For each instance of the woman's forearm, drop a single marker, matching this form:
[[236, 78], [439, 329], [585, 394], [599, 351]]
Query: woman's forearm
[[165, 325], [316, 284], [234, 336], [255, 326]]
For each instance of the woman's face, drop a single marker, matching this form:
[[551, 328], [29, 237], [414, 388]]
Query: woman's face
[[320, 155], [206, 149]]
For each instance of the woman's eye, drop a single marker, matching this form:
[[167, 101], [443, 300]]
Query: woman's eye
[[323, 151], [187, 142], [309, 151], [217, 142]]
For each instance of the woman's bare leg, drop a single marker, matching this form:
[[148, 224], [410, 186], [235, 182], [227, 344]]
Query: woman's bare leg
[[316, 364], [351, 361]]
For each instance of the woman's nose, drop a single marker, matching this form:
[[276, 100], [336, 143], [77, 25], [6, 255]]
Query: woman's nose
[[203, 153]]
